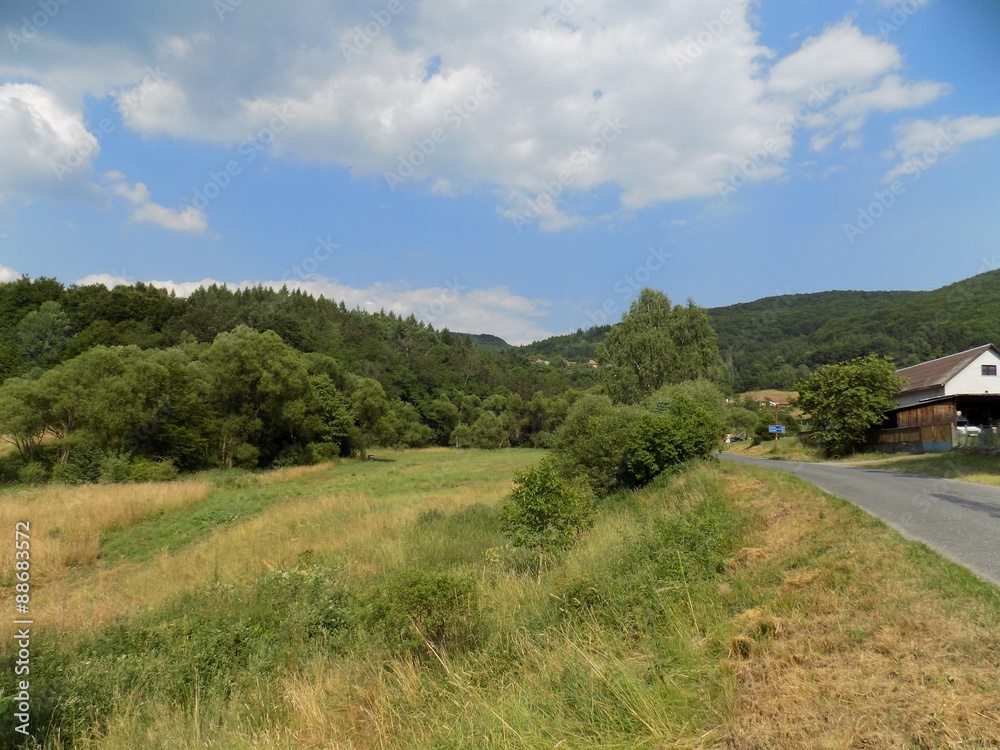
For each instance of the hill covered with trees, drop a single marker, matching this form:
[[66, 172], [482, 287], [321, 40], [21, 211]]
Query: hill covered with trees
[[94, 380], [772, 342]]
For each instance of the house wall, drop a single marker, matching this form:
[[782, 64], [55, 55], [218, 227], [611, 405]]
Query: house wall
[[915, 397], [971, 380]]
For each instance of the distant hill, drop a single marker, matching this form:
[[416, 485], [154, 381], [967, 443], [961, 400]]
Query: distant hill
[[579, 346], [771, 342], [487, 341]]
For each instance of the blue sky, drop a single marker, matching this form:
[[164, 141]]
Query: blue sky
[[518, 169]]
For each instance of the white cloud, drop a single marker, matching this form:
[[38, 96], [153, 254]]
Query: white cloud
[[45, 148], [519, 102], [892, 93], [187, 219], [842, 56], [919, 144], [8, 274], [107, 279]]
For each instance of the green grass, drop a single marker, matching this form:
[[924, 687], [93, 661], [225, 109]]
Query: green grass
[[970, 467], [784, 449], [679, 619], [240, 496], [171, 531]]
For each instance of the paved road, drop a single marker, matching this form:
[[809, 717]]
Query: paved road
[[960, 520]]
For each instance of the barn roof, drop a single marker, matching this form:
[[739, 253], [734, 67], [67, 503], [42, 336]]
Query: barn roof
[[939, 371]]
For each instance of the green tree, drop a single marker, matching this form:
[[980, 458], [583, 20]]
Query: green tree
[[686, 424], [260, 387], [591, 442], [844, 401], [488, 431], [443, 417], [22, 420], [655, 345], [545, 511], [43, 333], [330, 409]]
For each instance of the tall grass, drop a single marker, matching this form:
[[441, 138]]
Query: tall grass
[[724, 607], [67, 523]]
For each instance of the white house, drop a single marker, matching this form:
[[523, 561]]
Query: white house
[[934, 394], [969, 373]]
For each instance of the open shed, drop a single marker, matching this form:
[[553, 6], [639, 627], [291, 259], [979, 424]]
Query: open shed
[[935, 395]]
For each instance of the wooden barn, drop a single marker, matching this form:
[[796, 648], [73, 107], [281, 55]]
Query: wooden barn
[[937, 396]]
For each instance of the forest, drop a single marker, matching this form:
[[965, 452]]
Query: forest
[[775, 341], [137, 382]]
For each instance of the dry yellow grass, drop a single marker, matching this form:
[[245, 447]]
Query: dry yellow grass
[[772, 394], [362, 527], [853, 651], [66, 523]]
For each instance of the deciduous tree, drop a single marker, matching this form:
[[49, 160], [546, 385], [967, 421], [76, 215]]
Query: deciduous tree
[[846, 400]]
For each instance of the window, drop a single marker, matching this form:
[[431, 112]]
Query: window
[[989, 370]]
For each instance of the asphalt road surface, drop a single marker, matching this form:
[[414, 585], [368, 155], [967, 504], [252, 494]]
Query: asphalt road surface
[[961, 520]]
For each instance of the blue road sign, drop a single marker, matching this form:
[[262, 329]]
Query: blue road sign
[[776, 428]]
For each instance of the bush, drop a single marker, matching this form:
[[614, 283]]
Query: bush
[[412, 606], [686, 429], [115, 469], [545, 512], [10, 468], [591, 442], [83, 465], [33, 473], [146, 470], [321, 452], [118, 469]]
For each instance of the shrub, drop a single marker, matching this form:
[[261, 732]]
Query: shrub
[[10, 468], [685, 429], [33, 473], [591, 442], [146, 470], [120, 468], [82, 466], [545, 512], [412, 606], [115, 469]]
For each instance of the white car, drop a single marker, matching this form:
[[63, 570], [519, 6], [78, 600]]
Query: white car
[[964, 428]]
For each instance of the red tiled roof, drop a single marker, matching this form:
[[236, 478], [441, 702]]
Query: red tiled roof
[[939, 371]]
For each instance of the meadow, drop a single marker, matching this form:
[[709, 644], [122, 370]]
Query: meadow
[[378, 605]]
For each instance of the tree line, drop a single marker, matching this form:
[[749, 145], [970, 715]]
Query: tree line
[[136, 382]]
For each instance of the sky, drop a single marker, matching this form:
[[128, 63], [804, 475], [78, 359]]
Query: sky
[[521, 169]]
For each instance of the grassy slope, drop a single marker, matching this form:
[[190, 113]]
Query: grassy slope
[[730, 606], [966, 466]]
